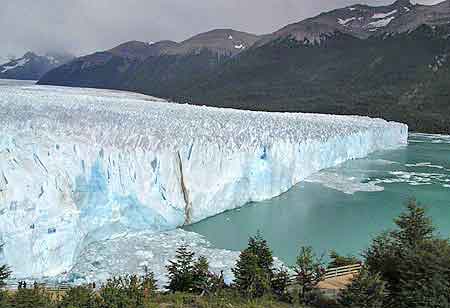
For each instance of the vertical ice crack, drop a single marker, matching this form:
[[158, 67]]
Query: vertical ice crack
[[5, 180], [184, 190], [39, 162], [3, 188]]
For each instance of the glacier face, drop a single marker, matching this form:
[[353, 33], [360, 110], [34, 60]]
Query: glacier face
[[78, 166]]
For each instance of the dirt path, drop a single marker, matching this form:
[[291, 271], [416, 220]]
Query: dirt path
[[336, 283]]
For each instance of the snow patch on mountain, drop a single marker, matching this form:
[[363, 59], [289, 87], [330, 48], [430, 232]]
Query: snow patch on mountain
[[384, 15], [381, 23], [344, 22], [15, 64], [52, 60]]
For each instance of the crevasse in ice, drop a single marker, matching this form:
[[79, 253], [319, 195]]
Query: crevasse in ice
[[79, 166]]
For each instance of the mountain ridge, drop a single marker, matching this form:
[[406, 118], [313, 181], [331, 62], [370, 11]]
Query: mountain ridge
[[346, 61], [32, 66]]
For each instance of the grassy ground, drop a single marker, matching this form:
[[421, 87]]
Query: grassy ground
[[229, 300]]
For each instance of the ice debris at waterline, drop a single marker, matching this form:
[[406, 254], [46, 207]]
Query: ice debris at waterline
[[133, 252], [79, 166]]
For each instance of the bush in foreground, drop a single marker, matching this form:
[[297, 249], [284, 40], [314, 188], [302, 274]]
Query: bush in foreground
[[309, 271], [79, 297], [411, 261], [4, 275], [365, 291]]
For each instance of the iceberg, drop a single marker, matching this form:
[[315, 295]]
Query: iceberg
[[81, 166]]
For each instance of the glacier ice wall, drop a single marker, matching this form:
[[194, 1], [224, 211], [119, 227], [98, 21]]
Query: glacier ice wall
[[80, 165]]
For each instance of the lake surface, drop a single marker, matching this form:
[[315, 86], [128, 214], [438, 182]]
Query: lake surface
[[342, 208]]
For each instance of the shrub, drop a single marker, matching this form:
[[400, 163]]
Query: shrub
[[280, 283], [78, 297], [309, 271], [149, 284], [201, 275], [4, 275], [35, 297], [337, 260], [128, 291], [414, 263], [366, 291]]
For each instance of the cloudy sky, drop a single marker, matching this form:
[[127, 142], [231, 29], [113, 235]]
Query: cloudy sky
[[83, 26]]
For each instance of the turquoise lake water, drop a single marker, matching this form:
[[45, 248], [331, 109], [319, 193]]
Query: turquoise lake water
[[342, 208]]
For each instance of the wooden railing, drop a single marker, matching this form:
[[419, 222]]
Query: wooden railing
[[342, 271]]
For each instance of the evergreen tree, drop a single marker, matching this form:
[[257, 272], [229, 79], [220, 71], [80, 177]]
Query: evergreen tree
[[424, 276], [280, 283], [414, 226], [259, 247], [254, 268], [202, 275], [412, 261], [134, 293], [149, 284], [308, 273], [4, 275], [111, 294], [250, 279], [181, 271], [365, 291]]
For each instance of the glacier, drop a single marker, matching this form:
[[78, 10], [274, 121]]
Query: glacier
[[79, 167]]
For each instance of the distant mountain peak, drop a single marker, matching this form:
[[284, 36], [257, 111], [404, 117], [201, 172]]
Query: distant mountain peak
[[31, 65], [29, 54], [406, 3], [222, 41], [363, 21]]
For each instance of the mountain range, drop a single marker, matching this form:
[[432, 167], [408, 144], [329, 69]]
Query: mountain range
[[386, 61], [32, 66]]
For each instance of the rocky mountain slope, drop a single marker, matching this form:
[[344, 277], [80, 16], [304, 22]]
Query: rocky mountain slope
[[361, 21], [405, 77], [154, 65], [31, 66], [388, 61]]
